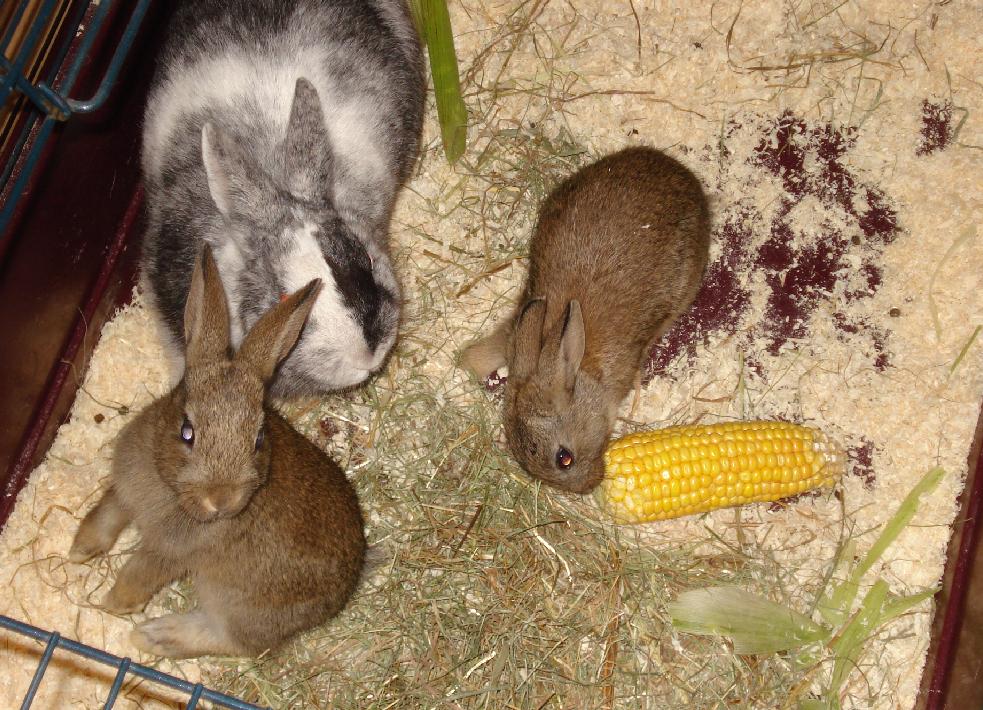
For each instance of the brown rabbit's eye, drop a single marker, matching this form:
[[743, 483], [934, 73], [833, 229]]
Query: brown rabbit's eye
[[260, 437], [564, 459], [187, 432]]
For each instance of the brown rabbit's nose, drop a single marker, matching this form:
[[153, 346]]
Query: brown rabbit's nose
[[222, 502]]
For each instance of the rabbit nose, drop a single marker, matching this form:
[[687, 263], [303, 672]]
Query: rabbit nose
[[222, 502]]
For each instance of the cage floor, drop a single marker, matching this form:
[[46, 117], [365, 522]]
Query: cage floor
[[840, 146]]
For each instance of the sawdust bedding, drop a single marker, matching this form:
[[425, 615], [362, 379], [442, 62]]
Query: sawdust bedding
[[840, 146]]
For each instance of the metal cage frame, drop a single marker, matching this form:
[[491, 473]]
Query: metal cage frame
[[51, 97], [124, 666]]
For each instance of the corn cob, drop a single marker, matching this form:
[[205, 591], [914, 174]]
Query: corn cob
[[683, 470]]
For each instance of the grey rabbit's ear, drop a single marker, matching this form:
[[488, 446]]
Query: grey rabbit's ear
[[306, 146], [236, 183], [206, 312], [563, 350], [275, 334], [527, 340]]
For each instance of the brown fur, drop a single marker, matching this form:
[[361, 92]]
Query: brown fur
[[271, 536], [617, 255]]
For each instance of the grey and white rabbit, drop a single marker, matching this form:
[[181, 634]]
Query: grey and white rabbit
[[617, 254], [279, 132], [224, 491]]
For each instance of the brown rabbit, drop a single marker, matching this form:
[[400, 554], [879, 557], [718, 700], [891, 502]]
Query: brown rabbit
[[618, 253], [224, 491]]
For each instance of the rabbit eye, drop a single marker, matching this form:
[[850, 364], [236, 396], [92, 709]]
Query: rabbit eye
[[187, 432], [260, 437], [564, 459]]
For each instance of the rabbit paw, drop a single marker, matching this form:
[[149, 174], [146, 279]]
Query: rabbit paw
[[119, 602], [87, 546], [93, 538], [99, 529], [180, 636]]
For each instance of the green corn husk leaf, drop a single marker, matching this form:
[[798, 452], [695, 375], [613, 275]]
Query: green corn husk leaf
[[878, 608], [850, 642], [836, 605], [841, 570], [433, 23], [753, 624], [896, 606], [812, 704]]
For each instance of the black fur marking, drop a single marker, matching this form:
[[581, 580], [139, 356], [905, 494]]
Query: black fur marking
[[352, 271]]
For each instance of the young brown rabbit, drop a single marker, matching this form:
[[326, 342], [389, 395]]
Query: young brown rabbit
[[617, 254], [224, 491]]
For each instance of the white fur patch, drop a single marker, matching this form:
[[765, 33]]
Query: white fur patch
[[335, 333]]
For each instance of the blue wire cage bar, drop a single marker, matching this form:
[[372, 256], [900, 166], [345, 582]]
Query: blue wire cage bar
[[124, 667], [52, 104]]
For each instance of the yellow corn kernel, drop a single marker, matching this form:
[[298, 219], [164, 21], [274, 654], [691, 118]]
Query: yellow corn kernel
[[683, 470]]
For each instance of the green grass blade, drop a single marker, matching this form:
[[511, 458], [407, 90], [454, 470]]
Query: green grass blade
[[434, 25], [966, 347]]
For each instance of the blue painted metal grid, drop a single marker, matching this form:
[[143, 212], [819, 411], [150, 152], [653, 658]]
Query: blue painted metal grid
[[124, 666], [54, 104]]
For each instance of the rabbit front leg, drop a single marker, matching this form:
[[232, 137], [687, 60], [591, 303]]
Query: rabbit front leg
[[143, 575], [99, 529]]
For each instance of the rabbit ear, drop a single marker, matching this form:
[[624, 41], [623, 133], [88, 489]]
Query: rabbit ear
[[527, 341], [308, 163], [206, 313], [572, 344], [275, 334], [236, 183], [564, 350]]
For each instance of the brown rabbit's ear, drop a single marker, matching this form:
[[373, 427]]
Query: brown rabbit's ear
[[206, 312], [275, 334], [527, 340], [572, 344], [564, 349]]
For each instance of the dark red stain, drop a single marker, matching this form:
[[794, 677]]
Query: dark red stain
[[862, 462], [799, 274], [936, 127], [720, 303], [327, 427]]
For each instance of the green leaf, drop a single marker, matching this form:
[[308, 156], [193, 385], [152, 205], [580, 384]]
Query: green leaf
[[753, 624], [850, 642], [835, 606], [434, 25], [896, 606], [841, 570]]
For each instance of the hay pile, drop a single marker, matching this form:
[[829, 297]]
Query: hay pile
[[840, 145]]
